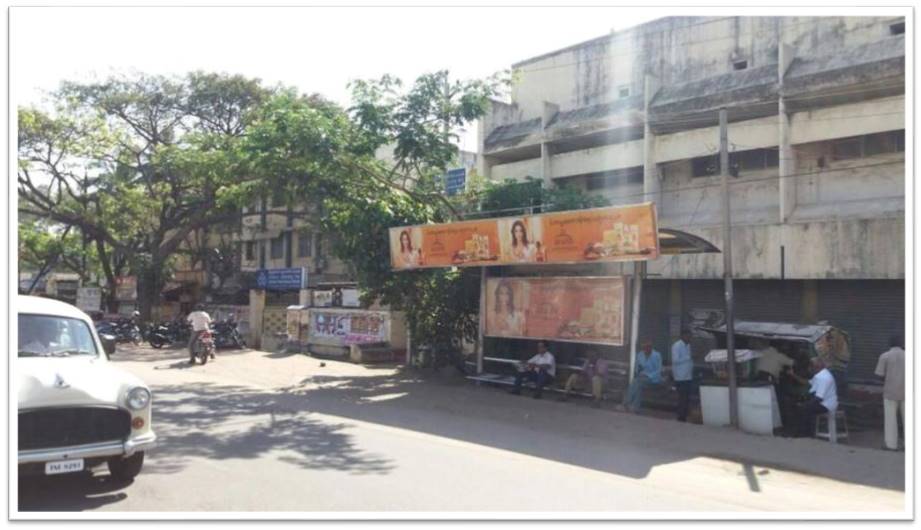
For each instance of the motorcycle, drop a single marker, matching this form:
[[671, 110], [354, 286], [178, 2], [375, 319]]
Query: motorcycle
[[168, 332], [204, 347], [124, 330], [161, 335], [226, 335]]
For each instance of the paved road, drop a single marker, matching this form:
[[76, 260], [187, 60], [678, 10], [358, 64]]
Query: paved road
[[256, 431]]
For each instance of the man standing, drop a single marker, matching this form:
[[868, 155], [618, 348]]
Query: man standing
[[683, 373], [594, 370], [541, 368], [648, 371], [823, 398], [891, 367], [201, 321]]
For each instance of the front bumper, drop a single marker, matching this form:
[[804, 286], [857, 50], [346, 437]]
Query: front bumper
[[105, 449]]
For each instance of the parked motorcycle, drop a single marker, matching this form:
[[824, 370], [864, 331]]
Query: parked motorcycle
[[124, 330], [227, 335], [160, 335], [204, 347]]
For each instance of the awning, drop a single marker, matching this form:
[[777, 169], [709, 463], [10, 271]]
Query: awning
[[673, 241], [777, 330]]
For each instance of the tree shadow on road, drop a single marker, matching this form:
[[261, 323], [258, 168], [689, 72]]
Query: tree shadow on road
[[233, 422], [75, 492]]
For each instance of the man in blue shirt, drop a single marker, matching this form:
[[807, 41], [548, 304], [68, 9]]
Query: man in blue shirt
[[683, 372], [648, 371]]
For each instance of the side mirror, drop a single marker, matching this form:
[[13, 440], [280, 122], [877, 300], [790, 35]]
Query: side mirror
[[108, 344]]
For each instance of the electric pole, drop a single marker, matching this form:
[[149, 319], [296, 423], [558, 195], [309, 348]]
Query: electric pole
[[727, 273]]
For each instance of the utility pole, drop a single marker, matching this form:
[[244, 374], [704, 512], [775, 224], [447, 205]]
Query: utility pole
[[727, 273]]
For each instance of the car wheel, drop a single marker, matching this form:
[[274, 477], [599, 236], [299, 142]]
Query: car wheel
[[125, 469]]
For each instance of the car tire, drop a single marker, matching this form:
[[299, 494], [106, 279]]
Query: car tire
[[125, 469]]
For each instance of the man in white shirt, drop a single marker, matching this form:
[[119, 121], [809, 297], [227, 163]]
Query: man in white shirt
[[823, 396], [201, 321], [891, 367], [541, 369]]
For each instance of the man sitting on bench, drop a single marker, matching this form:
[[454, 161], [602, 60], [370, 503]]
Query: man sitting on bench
[[540, 369], [594, 370]]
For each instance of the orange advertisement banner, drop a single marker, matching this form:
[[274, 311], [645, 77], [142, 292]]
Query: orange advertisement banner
[[621, 233], [573, 309]]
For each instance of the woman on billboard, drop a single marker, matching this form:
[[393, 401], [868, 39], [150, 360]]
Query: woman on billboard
[[408, 256], [524, 250], [506, 320]]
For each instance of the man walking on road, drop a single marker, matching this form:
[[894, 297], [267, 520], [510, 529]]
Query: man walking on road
[[683, 373], [891, 367]]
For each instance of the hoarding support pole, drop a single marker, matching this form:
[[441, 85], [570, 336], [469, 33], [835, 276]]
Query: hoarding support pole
[[727, 273], [479, 339], [639, 270]]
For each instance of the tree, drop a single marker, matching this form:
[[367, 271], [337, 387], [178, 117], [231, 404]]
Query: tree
[[137, 164]]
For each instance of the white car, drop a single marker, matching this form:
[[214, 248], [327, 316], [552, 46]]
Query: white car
[[76, 410]]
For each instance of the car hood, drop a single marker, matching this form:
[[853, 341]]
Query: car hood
[[55, 381]]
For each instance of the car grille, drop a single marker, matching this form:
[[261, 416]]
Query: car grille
[[49, 428]]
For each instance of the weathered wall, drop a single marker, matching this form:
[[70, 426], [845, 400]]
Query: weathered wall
[[517, 170], [834, 249]]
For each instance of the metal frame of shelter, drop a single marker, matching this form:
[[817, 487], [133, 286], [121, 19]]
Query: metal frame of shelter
[[671, 242]]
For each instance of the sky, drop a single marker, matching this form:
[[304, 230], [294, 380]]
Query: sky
[[315, 49]]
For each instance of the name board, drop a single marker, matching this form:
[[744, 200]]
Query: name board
[[282, 279], [89, 298]]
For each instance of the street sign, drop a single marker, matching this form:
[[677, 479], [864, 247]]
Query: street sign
[[282, 279], [89, 298], [455, 181]]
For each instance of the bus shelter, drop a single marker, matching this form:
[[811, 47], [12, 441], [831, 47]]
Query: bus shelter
[[570, 277]]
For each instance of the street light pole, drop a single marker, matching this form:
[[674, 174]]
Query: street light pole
[[727, 272]]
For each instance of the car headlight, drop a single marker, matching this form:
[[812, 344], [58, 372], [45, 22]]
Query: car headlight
[[138, 398]]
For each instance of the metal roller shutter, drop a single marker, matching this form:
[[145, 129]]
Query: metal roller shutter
[[768, 300], [654, 314], [870, 311]]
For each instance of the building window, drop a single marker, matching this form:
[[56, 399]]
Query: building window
[[887, 142], [897, 29], [623, 91], [250, 249], [304, 244], [277, 250], [705, 166], [868, 145], [739, 64], [613, 179]]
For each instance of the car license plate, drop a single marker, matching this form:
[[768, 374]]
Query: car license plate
[[64, 466]]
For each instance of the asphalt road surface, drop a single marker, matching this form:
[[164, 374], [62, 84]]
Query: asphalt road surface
[[257, 431]]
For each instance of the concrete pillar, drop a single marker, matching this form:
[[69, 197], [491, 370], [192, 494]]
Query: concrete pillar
[[549, 112], [810, 301], [651, 185], [303, 297], [256, 309], [787, 166]]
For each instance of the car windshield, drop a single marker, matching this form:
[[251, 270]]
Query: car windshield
[[51, 336]]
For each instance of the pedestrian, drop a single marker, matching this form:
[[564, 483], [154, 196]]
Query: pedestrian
[[891, 367], [648, 372], [823, 396], [593, 372], [683, 373], [540, 369]]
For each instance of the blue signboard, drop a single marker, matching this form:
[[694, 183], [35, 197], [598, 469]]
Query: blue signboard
[[282, 279], [455, 181]]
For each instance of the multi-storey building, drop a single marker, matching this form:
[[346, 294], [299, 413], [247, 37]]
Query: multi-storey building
[[816, 109]]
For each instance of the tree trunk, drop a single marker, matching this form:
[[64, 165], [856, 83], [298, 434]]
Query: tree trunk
[[150, 284]]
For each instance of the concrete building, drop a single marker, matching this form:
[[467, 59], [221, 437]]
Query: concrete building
[[817, 116]]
